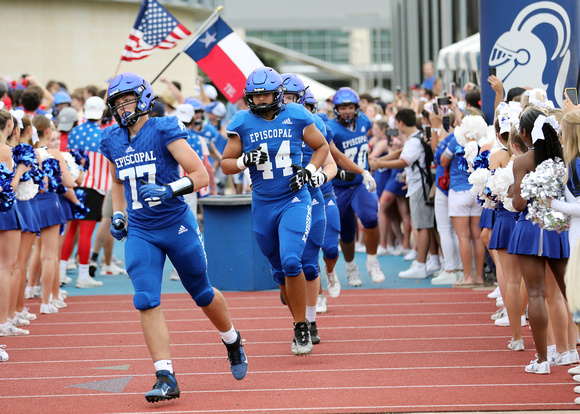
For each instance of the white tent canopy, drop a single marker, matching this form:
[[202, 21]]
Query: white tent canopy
[[319, 90], [463, 56]]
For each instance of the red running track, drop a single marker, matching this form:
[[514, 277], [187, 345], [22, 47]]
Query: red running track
[[414, 350]]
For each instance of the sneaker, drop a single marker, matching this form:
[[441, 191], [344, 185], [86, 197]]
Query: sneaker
[[3, 354], [301, 344], [332, 284], [62, 293], [411, 255], [416, 271], [321, 304], [28, 293], [48, 309], [237, 358], [352, 274], [577, 391], [165, 388], [89, 282], [516, 345], [374, 269], [500, 313], [59, 303], [504, 321], [574, 357], [11, 330], [499, 302], [495, 294], [93, 265], [538, 367], [399, 251], [112, 270], [18, 321], [26, 315], [556, 358], [64, 279], [360, 248], [445, 278], [314, 333], [432, 267], [36, 292], [574, 371], [385, 251], [576, 378], [174, 275], [71, 264]]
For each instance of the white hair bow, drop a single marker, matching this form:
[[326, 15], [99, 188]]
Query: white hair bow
[[504, 124], [537, 132], [35, 138]]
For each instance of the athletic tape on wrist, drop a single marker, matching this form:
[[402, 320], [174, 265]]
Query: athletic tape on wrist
[[240, 163], [182, 186]]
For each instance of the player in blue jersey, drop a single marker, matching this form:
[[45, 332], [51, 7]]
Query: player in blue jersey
[[351, 131], [267, 139], [144, 155], [295, 92]]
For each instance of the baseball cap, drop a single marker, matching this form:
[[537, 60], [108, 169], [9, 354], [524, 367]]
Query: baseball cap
[[184, 113], [209, 90], [61, 97], [67, 118], [94, 107], [216, 108]]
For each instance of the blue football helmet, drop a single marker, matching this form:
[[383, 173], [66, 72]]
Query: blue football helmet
[[345, 96], [309, 99], [196, 103], [133, 84], [264, 80], [291, 83]]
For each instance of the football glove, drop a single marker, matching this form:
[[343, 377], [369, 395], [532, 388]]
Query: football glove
[[118, 229], [302, 176], [369, 181], [318, 179], [252, 158]]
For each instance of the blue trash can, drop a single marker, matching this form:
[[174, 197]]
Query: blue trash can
[[235, 261]]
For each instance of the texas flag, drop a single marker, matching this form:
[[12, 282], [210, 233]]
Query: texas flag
[[224, 57]]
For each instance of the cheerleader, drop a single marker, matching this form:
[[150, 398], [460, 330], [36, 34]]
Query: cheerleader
[[534, 246], [52, 216]]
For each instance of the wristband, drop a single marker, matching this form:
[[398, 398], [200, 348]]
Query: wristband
[[240, 163], [180, 187], [119, 212], [311, 168]]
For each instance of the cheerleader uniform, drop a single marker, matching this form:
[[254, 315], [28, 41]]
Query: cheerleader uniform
[[487, 219], [47, 203], [503, 227], [529, 239], [13, 218], [395, 184]]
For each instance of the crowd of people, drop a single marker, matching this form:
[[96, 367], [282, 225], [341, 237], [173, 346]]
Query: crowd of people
[[425, 177]]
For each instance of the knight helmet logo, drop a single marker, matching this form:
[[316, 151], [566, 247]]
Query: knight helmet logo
[[521, 57]]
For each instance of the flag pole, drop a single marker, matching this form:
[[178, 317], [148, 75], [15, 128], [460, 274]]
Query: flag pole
[[203, 27], [118, 66]]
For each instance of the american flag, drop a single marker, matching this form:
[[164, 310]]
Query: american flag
[[154, 27]]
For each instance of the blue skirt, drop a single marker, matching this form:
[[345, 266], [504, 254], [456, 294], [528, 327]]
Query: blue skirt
[[66, 206], [12, 219], [381, 178], [487, 218], [529, 239], [505, 223], [30, 216], [50, 211], [394, 185]]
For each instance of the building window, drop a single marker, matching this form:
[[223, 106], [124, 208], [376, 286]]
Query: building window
[[381, 46]]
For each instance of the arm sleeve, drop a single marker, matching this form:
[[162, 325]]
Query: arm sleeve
[[571, 206]]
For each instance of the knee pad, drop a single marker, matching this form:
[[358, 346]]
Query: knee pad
[[204, 298], [279, 277], [310, 272], [143, 301], [292, 266], [330, 252]]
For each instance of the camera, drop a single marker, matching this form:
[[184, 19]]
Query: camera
[[444, 101], [392, 132]]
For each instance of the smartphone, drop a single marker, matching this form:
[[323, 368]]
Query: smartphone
[[392, 132], [452, 89], [572, 95], [444, 101], [492, 71], [445, 123], [435, 107], [428, 132], [415, 94]]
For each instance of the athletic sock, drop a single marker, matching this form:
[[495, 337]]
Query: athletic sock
[[163, 365], [230, 336], [62, 266], [83, 271], [311, 313]]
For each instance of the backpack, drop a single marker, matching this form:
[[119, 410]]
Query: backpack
[[427, 178]]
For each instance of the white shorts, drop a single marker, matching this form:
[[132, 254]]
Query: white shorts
[[463, 204]]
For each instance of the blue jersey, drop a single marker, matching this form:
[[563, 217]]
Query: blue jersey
[[354, 144], [327, 187], [306, 150], [146, 157], [281, 138]]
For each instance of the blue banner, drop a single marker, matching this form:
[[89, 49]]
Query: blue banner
[[531, 44]]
